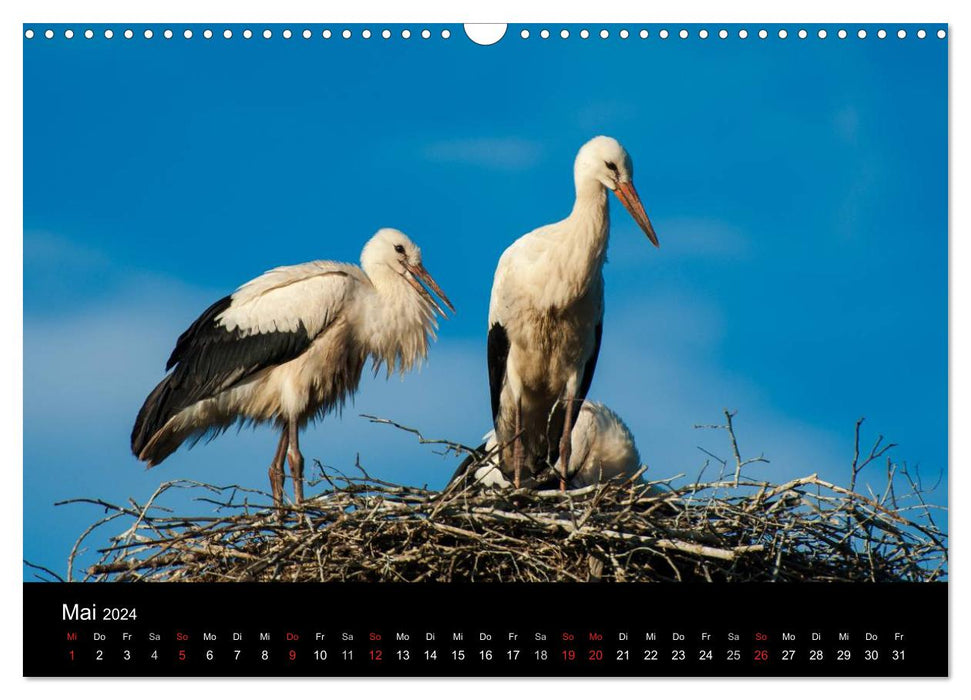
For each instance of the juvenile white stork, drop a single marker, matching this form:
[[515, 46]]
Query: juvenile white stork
[[546, 315], [288, 347], [601, 449]]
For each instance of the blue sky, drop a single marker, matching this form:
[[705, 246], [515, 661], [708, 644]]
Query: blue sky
[[798, 188]]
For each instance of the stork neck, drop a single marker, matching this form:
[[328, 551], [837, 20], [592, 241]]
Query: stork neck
[[589, 189], [581, 246], [388, 283], [590, 218]]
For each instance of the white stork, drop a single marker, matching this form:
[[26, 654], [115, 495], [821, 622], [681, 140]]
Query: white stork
[[288, 347], [601, 449], [546, 315]]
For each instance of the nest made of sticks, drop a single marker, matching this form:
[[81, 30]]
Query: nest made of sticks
[[364, 529]]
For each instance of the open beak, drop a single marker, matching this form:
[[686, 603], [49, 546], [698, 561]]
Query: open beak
[[628, 197], [418, 272]]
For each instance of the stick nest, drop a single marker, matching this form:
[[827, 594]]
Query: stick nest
[[360, 528]]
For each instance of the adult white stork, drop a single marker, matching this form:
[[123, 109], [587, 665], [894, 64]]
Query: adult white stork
[[288, 347], [546, 315], [601, 449]]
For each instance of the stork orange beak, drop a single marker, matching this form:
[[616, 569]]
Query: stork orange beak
[[632, 203], [420, 273]]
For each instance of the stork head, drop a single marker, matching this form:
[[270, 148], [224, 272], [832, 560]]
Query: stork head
[[390, 249], [604, 160]]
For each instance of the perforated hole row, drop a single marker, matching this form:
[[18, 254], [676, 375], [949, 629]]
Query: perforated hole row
[[246, 33], [583, 34], [723, 33]]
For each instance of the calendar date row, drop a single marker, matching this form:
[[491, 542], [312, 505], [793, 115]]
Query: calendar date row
[[459, 655]]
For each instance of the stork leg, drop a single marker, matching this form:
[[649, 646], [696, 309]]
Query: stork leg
[[276, 469], [296, 461], [517, 446], [566, 443]]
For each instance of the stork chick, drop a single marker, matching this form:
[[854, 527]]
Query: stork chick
[[289, 347], [602, 449]]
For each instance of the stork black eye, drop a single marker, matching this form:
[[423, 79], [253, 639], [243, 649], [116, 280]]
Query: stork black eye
[[399, 248], [610, 166]]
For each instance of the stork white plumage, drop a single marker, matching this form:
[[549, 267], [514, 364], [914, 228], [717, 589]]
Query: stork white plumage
[[288, 347], [601, 449], [546, 315]]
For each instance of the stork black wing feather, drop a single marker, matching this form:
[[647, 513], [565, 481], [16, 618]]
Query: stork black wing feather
[[199, 332], [589, 368], [464, 470], [207, 359], [217, 358], [497, 347]]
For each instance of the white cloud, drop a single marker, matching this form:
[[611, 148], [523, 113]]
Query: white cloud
[[91, 362], [664, 377], [680, 237], [846, 122], [486, 152], [666, 322], [51, 250], [604, 115]]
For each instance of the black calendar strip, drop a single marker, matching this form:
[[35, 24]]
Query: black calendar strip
[[485, 629]]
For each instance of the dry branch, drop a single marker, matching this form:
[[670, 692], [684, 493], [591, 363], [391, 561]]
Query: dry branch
[[364, 529]]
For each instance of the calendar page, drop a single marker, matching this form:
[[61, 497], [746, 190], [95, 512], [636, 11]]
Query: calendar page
[[485, 350]]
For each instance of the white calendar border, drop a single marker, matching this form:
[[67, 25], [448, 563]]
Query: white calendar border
[[888, 11]]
